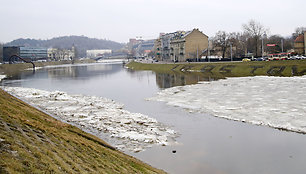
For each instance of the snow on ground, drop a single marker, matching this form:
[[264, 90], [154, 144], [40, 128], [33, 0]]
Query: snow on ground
[[279, 102], [135, 131], [36, 68], [2, 77]]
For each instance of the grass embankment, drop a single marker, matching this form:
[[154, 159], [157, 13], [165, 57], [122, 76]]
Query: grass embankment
[[34, 142], [229, 69]]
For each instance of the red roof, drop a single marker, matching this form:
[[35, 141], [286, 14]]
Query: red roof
[[300, 38]]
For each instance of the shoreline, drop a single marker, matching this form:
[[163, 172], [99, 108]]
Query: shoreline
[[32, 140], [285, 68]]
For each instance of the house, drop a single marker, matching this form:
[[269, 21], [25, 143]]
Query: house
[[299, 44], [181, 45]]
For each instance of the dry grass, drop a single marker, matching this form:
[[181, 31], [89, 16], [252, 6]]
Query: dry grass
[[34, 142], [229, 69]]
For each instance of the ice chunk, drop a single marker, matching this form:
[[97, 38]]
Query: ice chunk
[[135, 131], [278, 102], [2, 77]]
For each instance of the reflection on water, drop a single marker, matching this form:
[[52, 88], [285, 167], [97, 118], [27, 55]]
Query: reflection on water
[[71, 72], [82, 71], [168, 80]]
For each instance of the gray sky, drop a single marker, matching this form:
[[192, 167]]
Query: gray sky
[[119, 20]]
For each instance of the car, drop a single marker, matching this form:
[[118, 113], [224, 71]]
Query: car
[[246, 60], [260, 59]]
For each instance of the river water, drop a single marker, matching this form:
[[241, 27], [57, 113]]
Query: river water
[[204, 143]]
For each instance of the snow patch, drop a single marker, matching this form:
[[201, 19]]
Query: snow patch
[[278, 102], [2, 77], [36, 68], [133, 131]]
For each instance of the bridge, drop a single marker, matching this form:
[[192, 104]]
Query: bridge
[[112, 57]]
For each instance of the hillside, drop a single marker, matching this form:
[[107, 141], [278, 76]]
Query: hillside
[[82, 43], [34, 142]]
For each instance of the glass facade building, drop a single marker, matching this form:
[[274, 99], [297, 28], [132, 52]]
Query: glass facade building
[[33, 53], [9, 51]]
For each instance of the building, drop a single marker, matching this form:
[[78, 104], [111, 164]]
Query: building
[[33, 53], [9, 51], [157, 48], [97, 53], [30, 53], [56, 54], [299, 44], [143, 48], [181, 46]]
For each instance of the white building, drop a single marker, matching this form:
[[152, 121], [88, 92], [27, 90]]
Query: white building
[[61, 54], [97, 53]]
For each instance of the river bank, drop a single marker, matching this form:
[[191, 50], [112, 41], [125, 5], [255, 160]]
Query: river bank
[[229, 69], [32, 141], [13, 69]]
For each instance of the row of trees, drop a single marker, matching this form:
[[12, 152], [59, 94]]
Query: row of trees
[[252, 41]]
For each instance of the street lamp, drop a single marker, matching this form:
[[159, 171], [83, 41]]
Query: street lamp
[[231, 52], [262, 44]]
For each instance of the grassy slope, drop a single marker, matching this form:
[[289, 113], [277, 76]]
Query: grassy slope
[[34, 142], [230, 69]]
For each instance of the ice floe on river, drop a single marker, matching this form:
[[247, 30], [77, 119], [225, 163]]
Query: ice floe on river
[[279, 102], [134, 131], [2, 77]]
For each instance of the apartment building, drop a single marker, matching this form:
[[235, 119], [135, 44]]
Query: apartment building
[[181, 46]]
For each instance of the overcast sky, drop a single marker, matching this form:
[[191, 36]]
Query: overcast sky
[[119, 20]]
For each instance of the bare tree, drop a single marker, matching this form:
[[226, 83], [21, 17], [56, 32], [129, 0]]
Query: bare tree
[[238, 41], [255, 31], [1, 52], [221, 41], [298, 31]]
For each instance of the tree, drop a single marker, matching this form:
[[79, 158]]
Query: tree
[[255, 31], [221, 41], [1, 52], [297, 32], [238, 41], [280, 43]]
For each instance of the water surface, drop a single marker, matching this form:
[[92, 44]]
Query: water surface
[[206, 144]]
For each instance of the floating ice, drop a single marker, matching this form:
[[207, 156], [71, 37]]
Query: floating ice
[[135, 131], [2, 77], [279, 102]]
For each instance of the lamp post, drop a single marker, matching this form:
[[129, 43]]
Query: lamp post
[[282, 45], [262, 45], [231, 52]]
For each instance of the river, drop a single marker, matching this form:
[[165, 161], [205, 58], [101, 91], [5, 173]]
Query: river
[[203, 144]]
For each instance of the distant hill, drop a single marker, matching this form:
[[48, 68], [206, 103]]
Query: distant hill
[[82, 43]]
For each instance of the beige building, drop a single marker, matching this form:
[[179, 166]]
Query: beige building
[[181, 46], [299, 44], [188, 45]]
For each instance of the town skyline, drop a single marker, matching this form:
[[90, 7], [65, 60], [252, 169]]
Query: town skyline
[[120, 20]]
